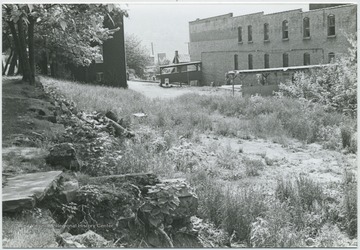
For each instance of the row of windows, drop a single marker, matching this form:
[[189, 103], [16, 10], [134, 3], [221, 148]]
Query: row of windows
[[285, 58], [285, 29]]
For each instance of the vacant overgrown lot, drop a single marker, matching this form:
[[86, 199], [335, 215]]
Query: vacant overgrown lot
[[271, 172]]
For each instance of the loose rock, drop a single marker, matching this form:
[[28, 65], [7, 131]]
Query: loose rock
[[63, 155], [89, 239]]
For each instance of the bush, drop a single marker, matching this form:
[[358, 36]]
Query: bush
[[233, 211], [275, 229], [252, 167], [305, 198], [331, 236], [240, 209], [335, 86], [227, 158]]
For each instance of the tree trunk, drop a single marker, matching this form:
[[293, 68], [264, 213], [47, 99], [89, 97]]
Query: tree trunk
[[43, 64], [13, 64], [8, 61], [31, 49], [17, 44], [24, 56]]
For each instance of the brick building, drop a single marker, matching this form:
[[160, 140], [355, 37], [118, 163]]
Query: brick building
[[258, 40]]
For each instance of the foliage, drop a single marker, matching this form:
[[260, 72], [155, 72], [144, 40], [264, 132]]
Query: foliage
[[59, 30], [333, 86], [234, 211], [162, 200], [304, 192], [264, 117], [275, 229], [331, 236], [137, 55], [227, 158], [252, 167]]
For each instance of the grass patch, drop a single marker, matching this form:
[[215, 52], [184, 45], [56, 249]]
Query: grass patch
[[252, 166], [234, 211], [265, 117], [30, 230]]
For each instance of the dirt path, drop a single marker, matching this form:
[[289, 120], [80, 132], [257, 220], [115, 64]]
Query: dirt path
[[277, 162], [153, 90]]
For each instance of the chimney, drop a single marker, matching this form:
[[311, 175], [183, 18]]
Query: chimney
[[176, 58]]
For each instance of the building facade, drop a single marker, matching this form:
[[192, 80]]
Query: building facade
[[283, 39]]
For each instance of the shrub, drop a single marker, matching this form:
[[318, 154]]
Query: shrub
[[275, 229], [234, 211], [227, 158], [210, 196], [335, 86], [305, 198], [331, 236], [309, 192], [240, 209], [252, 167]]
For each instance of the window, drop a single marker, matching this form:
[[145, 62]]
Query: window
[[331, 25], [250, 61], [285, 30], [236, 62], [266, 32], [250, 33], [239, 34], [306, 59], [331, 56], [306, 26], [266, 61], [285, 60]]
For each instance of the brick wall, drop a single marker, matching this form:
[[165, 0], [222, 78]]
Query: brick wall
[[214, 41]]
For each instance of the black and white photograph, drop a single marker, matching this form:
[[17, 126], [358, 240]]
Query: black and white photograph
[[179, 124]]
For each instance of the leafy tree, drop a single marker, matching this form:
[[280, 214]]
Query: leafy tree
[[137, 55], [334, 86], [66, 32]]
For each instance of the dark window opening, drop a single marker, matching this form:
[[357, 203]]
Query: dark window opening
[[331, 25], [239, 34], [266, 32], [266, 61], [250, 33], [250, 61], [306, 25], [285, 60], [306, 59], [236, 62], [285, 30], [331, 57]]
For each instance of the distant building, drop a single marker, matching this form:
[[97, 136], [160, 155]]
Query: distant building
[[259, 41]]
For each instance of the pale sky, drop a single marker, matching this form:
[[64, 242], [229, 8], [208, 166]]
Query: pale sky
[[167, 25]]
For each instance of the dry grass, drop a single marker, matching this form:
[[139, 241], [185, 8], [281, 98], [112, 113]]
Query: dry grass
[[27, 231]]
